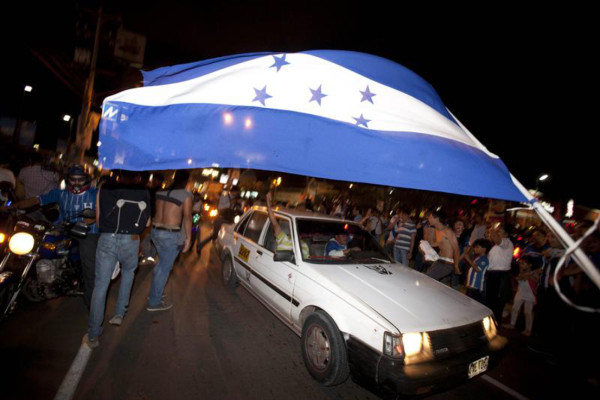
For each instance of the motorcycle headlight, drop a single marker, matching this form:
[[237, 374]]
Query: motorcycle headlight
[[21, 243], [489, 327]]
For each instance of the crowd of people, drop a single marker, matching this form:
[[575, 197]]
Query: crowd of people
[[478, 256], [471, 253]]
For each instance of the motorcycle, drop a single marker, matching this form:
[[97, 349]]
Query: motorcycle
[[47, 248]]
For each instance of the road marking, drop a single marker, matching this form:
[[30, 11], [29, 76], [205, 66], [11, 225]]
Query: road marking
[[503, 387], [69, 384]]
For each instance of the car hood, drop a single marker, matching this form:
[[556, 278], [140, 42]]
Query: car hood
[[411, 301]]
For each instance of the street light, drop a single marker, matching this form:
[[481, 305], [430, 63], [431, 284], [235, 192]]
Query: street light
[[28, 88], [542, 178], [66, 117]]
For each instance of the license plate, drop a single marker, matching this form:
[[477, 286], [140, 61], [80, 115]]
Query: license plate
[[478, 367]]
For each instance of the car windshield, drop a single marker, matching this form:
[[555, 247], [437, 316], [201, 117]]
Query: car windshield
[[333, 242]]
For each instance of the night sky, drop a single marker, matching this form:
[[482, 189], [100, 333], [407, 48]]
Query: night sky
[[519, 78]]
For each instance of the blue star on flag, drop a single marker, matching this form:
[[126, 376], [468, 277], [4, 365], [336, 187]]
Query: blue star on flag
[[362, 121], [367, 95], [279, 62], [261, 95], [317, 95]]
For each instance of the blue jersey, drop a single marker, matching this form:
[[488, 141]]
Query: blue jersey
[[476, 280], [333, 245], [71, 204]]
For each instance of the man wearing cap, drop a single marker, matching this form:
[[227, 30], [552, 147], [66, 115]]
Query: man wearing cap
[[72, 201]]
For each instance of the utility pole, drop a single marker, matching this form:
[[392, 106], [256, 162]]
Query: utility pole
[[78, 149]]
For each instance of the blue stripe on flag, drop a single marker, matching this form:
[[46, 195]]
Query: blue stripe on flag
[[196, 136]]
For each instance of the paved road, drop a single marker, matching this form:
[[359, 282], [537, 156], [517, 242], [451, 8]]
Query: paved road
[[213, 344]]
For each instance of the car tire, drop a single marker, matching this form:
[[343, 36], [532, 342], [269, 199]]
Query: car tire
[[228, 275], [324, 350]]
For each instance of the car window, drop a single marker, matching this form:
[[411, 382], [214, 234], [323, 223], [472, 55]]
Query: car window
[[320, 235], [241, 226], [270, 240], [255, 226]]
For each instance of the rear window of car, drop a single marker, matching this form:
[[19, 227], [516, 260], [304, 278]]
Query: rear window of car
[[242, 225], [255, 226]]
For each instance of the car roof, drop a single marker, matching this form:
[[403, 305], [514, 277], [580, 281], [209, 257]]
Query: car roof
[[293, 213]]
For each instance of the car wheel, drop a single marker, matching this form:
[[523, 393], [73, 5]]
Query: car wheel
[[324, 350], [228, 274]]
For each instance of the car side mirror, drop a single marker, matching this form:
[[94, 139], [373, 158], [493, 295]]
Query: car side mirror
[[284, 255]]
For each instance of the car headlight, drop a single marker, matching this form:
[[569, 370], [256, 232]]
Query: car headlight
[[21, 243], [392, 345], [413, 347], [489, 327], [213, 213]]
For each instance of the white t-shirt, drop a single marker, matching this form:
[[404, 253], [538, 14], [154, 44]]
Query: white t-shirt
[[376, 225], [524, 291], [500, 256]]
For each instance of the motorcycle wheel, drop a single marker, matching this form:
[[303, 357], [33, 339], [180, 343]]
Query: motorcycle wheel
[[31, 291]]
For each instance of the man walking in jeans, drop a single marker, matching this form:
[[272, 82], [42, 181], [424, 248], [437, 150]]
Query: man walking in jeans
[[123, 211], [173, 206]]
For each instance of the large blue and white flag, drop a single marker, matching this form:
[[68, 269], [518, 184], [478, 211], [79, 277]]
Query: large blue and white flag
[[329, 114]]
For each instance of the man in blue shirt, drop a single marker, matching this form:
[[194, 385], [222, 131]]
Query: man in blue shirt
[[338, 246], [72, 201]]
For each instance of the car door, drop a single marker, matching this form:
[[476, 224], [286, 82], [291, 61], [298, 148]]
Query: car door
[[279, 276], [246, 248]]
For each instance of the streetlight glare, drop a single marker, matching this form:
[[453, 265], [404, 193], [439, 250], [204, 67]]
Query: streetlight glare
[[28, 88]]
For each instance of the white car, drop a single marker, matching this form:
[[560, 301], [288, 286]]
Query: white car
[[391, 328]]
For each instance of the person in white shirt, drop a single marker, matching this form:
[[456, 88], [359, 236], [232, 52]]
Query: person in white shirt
[[498, 288]]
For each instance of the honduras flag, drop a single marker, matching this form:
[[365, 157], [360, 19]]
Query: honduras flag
[[328, 114]]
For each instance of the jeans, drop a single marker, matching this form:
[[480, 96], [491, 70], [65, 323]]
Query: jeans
[[167, 245], [147, 248], [112, 248], [87, 252], [401, 255]]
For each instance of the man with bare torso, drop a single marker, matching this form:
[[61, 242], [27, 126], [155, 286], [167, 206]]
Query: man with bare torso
[[173, 207], [445, 240]]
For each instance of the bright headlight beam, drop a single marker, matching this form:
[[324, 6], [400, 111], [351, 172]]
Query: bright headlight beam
[[413, 343], [21, 243]]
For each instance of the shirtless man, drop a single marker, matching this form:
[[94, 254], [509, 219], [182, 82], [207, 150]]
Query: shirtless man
[[448, 245], [173, 206]]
